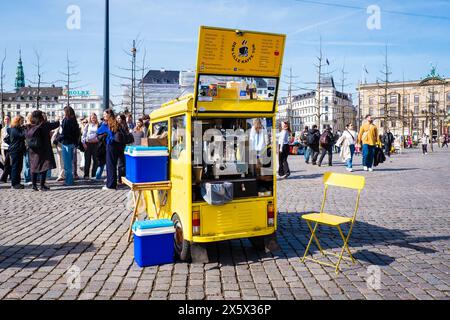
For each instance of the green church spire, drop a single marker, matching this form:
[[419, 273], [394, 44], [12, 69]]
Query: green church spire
[[20, 76]]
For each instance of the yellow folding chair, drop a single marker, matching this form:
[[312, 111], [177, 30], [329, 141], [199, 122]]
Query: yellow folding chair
[[332, 220]]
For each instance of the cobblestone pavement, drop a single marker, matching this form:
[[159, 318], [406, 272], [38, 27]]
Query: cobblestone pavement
[[402, 229]]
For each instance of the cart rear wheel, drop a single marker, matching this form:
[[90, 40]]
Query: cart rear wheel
[[182, 246]]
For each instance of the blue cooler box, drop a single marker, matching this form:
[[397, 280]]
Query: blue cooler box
[[146, 164], [153, 242]]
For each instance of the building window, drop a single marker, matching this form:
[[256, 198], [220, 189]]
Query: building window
[[381, 123], [393, 124], [416, 99], [382, 100], [393, 98], [448, 96], [326, 99], [405, 100], [416, 109]]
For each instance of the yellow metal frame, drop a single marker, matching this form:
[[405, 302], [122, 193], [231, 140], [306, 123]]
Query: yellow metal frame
[[338, 180], [140, 188], [182, 204]]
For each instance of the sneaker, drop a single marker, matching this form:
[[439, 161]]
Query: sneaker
[[370, 169], [349, 169], [365, 168], [28, 184], [60, 179], [18, 187], [287, 176], [44, 188], [106, 188]]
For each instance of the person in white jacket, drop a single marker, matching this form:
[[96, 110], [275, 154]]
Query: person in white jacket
[[258, 142], [347, 144]]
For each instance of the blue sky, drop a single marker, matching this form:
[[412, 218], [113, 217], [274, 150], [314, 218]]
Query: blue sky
[[169, 29]]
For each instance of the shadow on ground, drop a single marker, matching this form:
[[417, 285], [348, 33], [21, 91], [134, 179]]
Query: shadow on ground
[[36, 256]]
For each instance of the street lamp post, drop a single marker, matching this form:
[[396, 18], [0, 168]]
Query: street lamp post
[[106, 68]]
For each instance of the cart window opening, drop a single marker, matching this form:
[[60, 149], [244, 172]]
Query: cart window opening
[[236, 150], [214, 88], [178, 138], [160, 128]]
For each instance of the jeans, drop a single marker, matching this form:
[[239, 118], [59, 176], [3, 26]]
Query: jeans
[[99, 172], [27, 170], [16, 167], [67, 155], [387, 149], [349, 162], [307, 153], [368, 155]]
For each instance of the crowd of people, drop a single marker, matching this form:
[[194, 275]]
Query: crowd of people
[[29, 146], [316, 145]]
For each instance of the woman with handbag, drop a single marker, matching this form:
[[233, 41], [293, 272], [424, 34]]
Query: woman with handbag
[[40, 151], [346, 143], [114, 147], [90, 144]]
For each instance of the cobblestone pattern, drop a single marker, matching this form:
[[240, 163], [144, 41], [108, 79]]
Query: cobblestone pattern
[[403, 228]]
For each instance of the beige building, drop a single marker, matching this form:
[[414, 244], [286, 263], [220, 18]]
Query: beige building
[[410, 107]]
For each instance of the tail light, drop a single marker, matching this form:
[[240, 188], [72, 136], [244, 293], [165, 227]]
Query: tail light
[[270, 215], [196, 222]]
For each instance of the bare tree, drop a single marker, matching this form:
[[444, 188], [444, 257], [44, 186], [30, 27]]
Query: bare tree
[[2, 79], [131, 83], [384, 85], [69, 73], [39, 74]]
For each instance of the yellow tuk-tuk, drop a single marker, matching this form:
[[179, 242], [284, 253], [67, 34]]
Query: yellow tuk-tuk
[[222, 143]]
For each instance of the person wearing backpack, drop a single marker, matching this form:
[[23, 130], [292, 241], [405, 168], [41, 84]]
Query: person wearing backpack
[[313, 138], [304, 141], [369, 139], [326, 142], [69, 137], [40, 151]]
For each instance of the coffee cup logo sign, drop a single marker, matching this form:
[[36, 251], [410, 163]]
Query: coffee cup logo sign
[[243, 52]]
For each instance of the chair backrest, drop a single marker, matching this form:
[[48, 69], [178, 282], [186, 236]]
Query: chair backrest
[[344, 180]]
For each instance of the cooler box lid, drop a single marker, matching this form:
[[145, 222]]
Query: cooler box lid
[[153, 227], [142, 151]]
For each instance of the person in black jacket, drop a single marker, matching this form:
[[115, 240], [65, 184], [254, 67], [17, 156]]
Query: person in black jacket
[[326, 142], [69, 138], [40, 150], [313, 138], [16, 150], [388, 139]]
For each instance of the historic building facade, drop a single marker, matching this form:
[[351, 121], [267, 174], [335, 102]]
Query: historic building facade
[[336, 108], [408, 108]]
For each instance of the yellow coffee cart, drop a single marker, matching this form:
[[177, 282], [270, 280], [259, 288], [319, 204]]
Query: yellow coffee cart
[[221, 140]]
